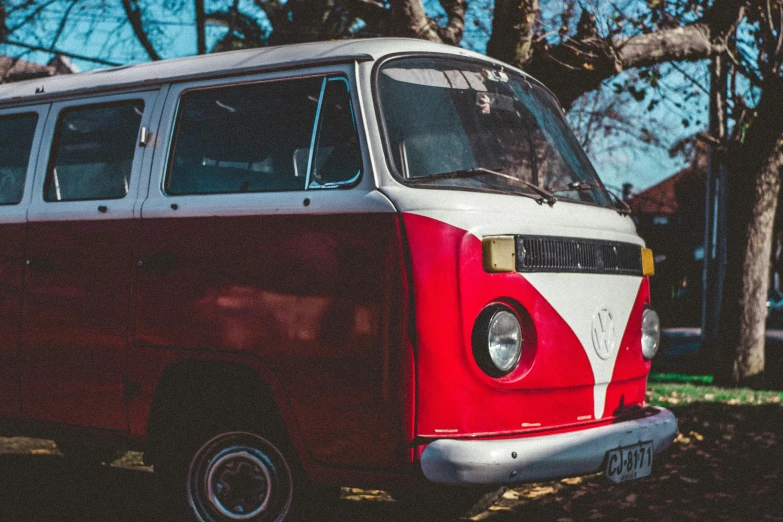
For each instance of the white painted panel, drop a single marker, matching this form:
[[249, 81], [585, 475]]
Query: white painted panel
[[486, 214], [577, 298]]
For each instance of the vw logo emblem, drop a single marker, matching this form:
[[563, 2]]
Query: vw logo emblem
[[603, 333]]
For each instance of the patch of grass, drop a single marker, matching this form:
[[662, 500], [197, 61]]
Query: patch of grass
[[680, 377], [665, 389]]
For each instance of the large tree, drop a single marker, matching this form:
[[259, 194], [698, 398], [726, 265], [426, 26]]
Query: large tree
[[573, 50]]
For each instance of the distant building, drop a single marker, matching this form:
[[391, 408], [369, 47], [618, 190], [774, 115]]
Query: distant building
[[670, 218], [16, 69]]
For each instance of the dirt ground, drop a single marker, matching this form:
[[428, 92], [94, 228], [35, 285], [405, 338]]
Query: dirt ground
[[726, 464]]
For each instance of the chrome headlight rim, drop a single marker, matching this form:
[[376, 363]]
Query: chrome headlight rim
[[651, 333], [482, 339]]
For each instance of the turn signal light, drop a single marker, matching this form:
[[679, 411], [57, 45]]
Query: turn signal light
[[648, 262], [499, 253]]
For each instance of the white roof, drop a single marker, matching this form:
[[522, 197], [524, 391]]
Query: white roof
[[219, 64]]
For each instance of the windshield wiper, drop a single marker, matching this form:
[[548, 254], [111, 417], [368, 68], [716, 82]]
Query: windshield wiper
[[622, 207], [544, 196], [579, 186]]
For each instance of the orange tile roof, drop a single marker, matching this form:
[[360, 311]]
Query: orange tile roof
[[660, 198]]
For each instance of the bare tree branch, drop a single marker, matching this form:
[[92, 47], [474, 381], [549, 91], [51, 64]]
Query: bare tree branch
[[578, 66], [58, 51], [133, 12], [63, 22], [31, 16]]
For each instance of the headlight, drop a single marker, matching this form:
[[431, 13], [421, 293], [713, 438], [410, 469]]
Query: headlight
[[497, 340], [651, 333]]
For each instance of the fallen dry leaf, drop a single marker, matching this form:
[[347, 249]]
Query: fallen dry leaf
[[538, 492], [510, 495]]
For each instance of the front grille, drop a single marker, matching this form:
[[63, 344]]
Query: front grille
[[566, 254]]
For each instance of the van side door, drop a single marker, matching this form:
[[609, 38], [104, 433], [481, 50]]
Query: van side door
[[264, 238], [82, 234], [20, 137]]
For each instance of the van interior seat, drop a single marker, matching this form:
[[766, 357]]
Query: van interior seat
[[213, 179]]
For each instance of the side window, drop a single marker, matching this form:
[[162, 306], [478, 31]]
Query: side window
[[266, 137], [93, 150], [16, 141]]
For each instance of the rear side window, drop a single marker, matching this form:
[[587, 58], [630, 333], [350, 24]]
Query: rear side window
[[93, 150], [265, 137], [16, 141]]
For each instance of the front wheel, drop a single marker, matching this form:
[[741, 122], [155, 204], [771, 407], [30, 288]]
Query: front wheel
[[239, 476]]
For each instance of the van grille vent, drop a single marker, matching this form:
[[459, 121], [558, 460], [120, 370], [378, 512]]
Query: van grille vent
[[565, 254]]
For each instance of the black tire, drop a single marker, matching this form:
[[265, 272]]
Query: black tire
[[239, 476], [225, 476], [197, 472]]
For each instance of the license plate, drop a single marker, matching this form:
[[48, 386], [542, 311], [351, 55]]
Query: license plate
[[629, 462]]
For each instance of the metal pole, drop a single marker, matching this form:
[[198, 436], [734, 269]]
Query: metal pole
[[715, 210]]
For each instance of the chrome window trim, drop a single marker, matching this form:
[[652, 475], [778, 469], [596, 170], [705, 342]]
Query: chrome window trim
[[352, 181], [316, 126]]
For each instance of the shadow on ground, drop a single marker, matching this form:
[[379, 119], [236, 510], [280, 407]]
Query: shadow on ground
[[726, 464]]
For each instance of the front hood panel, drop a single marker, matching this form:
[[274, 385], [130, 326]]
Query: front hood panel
[[582, 361]]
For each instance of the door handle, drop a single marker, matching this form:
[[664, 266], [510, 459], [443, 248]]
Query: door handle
[[159, 264]]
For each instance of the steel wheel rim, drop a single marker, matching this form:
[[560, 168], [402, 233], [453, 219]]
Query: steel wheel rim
[[239, 476], [220, 483]]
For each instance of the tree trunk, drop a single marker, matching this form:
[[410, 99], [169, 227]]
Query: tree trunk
[[754, 184], [455, 27], [201, 31], [410, 19], [513, 25]]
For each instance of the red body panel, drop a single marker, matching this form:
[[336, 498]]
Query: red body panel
[[629, 380], [75, 322], [11, 263], [553, 385], [320, 300]]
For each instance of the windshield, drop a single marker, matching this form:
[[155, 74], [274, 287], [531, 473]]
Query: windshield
[[460, 124]]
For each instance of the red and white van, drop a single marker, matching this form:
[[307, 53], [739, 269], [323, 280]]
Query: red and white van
[[380, 263]]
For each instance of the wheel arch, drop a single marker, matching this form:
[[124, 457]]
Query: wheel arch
[[191, 387]]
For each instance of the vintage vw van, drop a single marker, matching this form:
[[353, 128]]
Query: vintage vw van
[[380, 263]]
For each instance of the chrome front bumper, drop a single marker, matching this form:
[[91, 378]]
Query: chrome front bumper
[[544, 457]]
